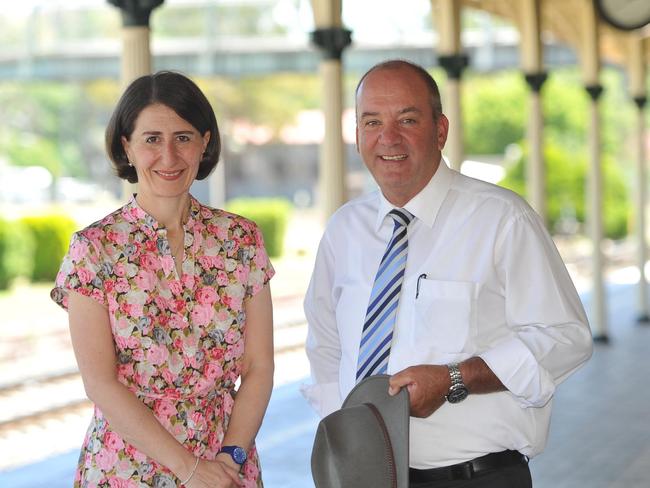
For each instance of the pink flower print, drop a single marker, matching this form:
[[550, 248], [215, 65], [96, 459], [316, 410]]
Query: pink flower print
[[232, 336], [78, 250], [212, 371], [145, 280], [149, 263], [234, 351], [206, 295], [206, 262], [106, 459], [222, 315], [122, 285], [157, 354], [165, 409], [94, 233], [222, 278], [120, 238], [97, 295], [197, 420], [118, 270], [217, 353], [178, 305], [113, 441], [114, 482], [228, 403], [206, 213], [188, 281], [167, 263], [251, 472], [218, 262], [85, 276], [261, 259], [138, 355], [177, 322], [202, 314], [168, 376], [241, 274], [160, 302], [125, 370], [175, 287]]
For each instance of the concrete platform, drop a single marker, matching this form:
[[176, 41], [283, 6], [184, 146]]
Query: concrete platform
[[600, 431]]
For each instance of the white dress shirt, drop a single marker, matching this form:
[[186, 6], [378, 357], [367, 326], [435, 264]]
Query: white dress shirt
[[492, 285]]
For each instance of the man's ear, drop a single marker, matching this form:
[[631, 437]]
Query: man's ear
[[442, 126]]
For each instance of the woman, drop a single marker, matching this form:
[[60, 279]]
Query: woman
[[169, 305]]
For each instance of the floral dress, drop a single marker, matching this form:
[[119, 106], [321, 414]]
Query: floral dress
[[179, 340]]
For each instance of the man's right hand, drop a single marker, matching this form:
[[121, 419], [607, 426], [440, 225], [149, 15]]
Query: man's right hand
[[427, 386]]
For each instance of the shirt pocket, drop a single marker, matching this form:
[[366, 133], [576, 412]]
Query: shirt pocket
[[445, 314]]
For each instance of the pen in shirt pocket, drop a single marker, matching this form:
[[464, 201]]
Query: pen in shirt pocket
[[417, 285]]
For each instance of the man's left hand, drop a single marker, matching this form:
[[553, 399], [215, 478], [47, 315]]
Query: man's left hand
[[427, 386]]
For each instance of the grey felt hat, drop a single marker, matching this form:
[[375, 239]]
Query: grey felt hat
[[366, 442]]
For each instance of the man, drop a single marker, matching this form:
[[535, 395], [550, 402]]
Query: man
[[459, 293]]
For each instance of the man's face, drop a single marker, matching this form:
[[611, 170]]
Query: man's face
[[397, 136]]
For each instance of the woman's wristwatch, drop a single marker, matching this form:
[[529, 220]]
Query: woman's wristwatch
[[238, 454]]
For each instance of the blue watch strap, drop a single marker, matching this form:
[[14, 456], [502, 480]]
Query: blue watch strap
[[238, 454]]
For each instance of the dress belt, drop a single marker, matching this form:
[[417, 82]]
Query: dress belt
[[468, 469]]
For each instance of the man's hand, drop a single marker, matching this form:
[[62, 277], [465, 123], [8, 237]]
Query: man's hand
[[427, 386]]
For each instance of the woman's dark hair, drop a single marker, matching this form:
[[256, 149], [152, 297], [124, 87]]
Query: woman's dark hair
[[175, 91]]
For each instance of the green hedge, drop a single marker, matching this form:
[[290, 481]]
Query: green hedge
[[51, 234], [16, 247], [270, 214]]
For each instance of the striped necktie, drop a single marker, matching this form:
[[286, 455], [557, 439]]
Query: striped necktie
[[382, 308]]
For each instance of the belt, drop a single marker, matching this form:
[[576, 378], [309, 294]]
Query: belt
[[468, 469]]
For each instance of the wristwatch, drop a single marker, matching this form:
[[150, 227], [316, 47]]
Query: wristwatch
[[457, 391], [238, 454]]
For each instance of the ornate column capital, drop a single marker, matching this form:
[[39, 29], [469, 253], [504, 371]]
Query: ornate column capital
[[640, 101], [536, 80], [332, 41], [454, 64], [594, 91], [136, 13]]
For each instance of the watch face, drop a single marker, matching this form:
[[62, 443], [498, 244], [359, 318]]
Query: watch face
[[457, 395], [239, 455]]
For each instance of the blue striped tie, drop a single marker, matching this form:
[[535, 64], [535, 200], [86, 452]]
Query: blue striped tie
[[382, 308]]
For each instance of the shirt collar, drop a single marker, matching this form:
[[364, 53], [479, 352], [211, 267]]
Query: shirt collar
[[426, 204]]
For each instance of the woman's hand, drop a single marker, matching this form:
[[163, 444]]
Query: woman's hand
[[215, 474]]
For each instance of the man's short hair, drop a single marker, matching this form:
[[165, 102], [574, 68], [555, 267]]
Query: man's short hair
[[395, 64]]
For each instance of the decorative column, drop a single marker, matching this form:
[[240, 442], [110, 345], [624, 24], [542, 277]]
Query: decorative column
[[637, 77], [136, 54], [332, 39], [590, 65], [531, 64], [453, 61]]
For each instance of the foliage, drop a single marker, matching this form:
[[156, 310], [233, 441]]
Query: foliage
[[565, 187], [16, 247], [270, 214], [51, 234], [494, 112]]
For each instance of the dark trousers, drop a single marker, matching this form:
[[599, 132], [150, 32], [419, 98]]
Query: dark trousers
[[517, 476]]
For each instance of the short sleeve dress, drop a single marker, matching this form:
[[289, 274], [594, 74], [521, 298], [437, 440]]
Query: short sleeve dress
[[179, 340]]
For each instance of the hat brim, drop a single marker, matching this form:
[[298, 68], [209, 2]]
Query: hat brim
[[395, 412]]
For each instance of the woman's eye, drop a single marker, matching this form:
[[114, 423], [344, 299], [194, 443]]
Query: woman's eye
[[151, 139], [183, 138]]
